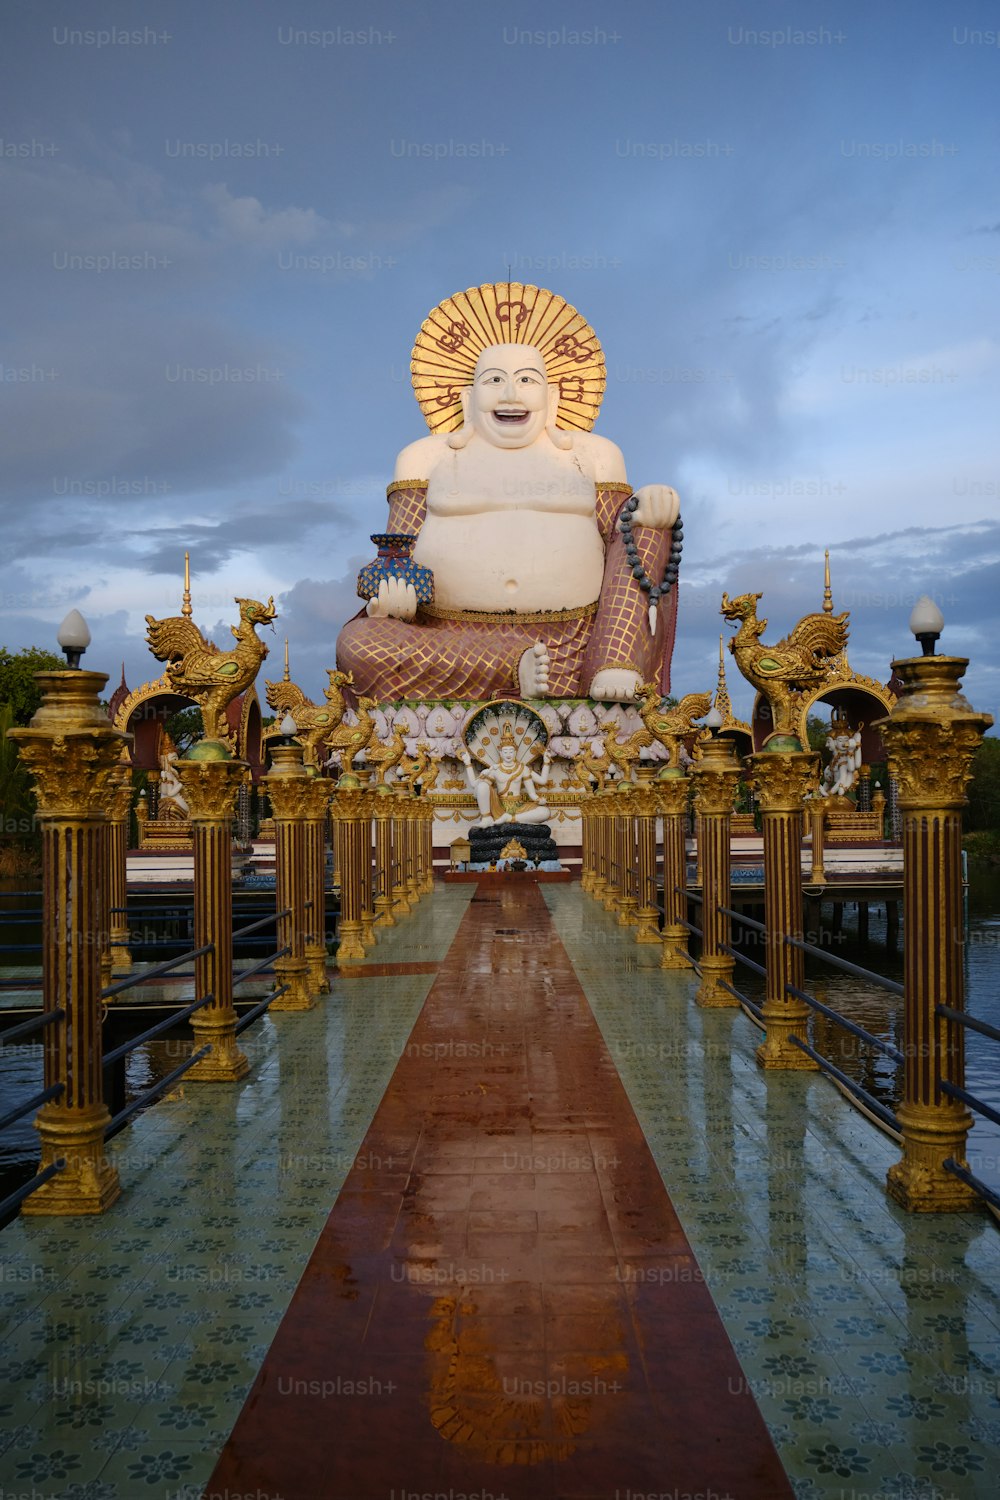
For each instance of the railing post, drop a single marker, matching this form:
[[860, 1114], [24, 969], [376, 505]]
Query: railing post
[[644, 802], [367, 865], [612, 889], [289, 789], [400, 897], [672, 791], [427, 812], [413, 891], [628, 901], [782, 778], [350, 813], [931, 737], [71, 751], [121, 802], [211, 782], [817, 819], [384, 809], [715, 778], [314, 833]]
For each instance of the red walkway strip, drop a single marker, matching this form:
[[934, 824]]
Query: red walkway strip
[[506, 1306]]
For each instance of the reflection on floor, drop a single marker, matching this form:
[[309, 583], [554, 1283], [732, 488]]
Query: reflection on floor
[[869, 1338]]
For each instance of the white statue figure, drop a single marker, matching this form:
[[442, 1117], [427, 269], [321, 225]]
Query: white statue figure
[[171, 786], [524, 517], [507, 738], [841, 774]]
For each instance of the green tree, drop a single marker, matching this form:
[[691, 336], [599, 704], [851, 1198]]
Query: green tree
[[817, 730], [184, 727], [17, 803], [18, 687], [983, 811]]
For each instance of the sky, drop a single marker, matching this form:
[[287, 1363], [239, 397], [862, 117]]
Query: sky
[[223, 224]]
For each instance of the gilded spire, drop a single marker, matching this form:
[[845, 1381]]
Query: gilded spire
[[722, 700], [827, 595], [186, 604], [286, 677]]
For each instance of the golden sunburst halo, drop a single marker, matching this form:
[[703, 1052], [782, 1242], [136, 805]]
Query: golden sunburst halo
[[456, 332]]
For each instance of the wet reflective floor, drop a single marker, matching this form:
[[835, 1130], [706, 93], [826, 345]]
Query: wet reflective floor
[[508, 1303], [474, 1300]]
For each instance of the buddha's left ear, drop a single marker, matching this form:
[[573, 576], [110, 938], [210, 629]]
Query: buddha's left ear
[[560, 439], [461, 435]]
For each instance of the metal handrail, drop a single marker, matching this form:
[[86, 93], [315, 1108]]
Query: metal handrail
[[749, 963], [842, 963], [955, 1092], [32, 1186], [156, 971], [240, 974], [737, 916], [869, 1100], [751, 1005], [52, 1092], [172, 1020], [24, 1028], [258, 1010], [852, 1026], [983, 1027], [978, 1186], [274, 916], [121, 1119]]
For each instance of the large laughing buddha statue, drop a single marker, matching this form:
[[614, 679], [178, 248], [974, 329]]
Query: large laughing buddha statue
[[550, 577]]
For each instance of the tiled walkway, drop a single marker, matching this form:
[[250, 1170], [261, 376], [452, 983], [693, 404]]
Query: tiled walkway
[[869, 1338], [507, 1303]]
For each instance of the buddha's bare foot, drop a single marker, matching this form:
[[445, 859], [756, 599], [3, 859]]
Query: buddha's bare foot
[[533, 671], [615, 685]]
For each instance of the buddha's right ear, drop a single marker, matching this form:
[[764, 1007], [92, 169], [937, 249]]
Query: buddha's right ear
[[461, 435]]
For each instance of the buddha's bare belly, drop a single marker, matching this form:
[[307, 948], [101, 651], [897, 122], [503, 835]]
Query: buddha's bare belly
[[525, 560]]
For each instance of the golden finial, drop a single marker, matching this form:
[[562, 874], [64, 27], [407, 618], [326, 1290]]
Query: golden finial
[[286, 677], [186, 604], [722, 699], [827, 595]]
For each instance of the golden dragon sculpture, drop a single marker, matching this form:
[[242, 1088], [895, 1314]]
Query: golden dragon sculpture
[[198, 670], [782, 673]]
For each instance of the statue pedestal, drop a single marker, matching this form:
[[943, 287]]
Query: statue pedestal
[[488, 844]]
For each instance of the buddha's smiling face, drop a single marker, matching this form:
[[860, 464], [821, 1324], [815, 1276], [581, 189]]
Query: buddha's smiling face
[[509, 401]]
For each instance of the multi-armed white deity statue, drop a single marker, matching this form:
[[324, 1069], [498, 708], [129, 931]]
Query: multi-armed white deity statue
[[547, 571]]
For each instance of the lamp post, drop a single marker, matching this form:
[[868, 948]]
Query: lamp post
[[931, 737], [71, 750]]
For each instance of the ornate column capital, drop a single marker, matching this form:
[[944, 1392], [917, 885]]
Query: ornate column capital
[[210, 787], [932, 734], [782, 778]]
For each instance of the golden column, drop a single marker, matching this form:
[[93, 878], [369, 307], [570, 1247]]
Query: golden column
[[427, 812], [71, 751], [627, 881], [715, 777], [366, 867], [289, 789], [612, 834], [672, 791], [385, 806], [314, 833], [586, 848], [412, 850], [644, 803], [817, 820], [119, 806], [931, 737], [401, 900], [783, 778], [350, 812], [211, 781]]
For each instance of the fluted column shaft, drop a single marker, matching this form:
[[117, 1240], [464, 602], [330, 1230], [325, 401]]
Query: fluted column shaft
[[673, 790], [715, 778]]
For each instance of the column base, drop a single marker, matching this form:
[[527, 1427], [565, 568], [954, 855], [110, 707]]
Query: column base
[[648, 928], [316, 969], [675, 948], [121, 958], [627, 914], [350, 949], [226, 1062], [401, 901], [89, 1182], [293, 972], [711, 993], [368, 929], [919, 1182], [383, 912], [778, 1051]]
